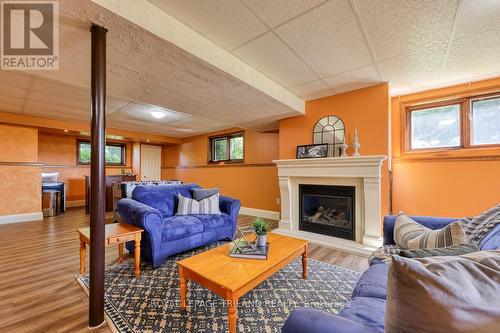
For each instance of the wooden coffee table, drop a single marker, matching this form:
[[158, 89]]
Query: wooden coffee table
[[115, 233], [232, 278]]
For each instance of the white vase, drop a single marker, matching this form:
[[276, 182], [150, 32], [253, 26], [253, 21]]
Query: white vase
[[261, 240], [356, 144]]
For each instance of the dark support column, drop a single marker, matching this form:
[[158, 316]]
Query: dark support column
[[97, 175]]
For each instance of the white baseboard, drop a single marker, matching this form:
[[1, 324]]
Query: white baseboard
[[75, 203], [266, 214], [16, 218]]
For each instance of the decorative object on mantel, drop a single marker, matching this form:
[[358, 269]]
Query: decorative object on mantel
[[312, 151], [343, 149], [356, 144], [330, 130]]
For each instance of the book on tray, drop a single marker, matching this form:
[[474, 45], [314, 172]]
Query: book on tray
[[246, 251]]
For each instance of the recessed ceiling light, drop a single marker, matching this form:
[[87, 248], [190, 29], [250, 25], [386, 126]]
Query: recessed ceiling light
[[158, 114]]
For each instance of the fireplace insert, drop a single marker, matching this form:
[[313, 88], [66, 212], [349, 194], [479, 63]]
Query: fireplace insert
[[327, 210]]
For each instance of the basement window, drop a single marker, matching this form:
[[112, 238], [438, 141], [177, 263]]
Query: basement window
[[227, 148], [485, 119], [459, 124], [115, 153]]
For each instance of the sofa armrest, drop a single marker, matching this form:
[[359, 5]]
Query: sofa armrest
[[231, 207], [430, 222], [309, 320], [143, 216]]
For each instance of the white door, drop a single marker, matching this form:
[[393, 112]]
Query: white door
[[150, 162]]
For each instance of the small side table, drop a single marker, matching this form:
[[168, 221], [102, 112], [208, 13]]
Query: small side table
[[116, 233]]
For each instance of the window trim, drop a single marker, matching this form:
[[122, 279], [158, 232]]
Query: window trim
[[229, 136], [123, 147], [466, 148]]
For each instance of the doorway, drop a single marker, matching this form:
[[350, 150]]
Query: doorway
[[150, 162]]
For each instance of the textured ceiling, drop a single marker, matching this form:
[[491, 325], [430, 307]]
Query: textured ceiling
[[317, 48], [144, 73]]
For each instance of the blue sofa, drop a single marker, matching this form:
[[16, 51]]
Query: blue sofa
[[153, 208], [366, 310]]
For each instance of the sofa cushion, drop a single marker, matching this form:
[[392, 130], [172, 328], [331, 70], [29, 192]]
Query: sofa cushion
[[478, 227], [203, 193], [214, 221], [444, 294], [405, 229], [492, 240], [373, 282], [162, 197], [367, 311], [452, 234], [176, 227]]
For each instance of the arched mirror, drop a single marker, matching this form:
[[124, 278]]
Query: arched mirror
[[330, 130]]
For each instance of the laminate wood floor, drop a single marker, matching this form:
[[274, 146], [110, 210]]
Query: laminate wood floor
[[38, 264]]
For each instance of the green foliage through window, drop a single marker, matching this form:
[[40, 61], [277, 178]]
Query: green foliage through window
[[435, 127], [228, 148], [115, 153]]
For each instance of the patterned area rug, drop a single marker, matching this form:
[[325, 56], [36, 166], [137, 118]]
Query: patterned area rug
[[151, 302]]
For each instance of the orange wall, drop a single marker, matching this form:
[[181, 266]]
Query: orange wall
[[254, 182], [365, 109], [20, 191], [57, 153], [457, 186]]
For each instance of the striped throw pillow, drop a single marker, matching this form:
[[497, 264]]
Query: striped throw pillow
[[405, 229], [476, 228], [188, 206], [452, 234]]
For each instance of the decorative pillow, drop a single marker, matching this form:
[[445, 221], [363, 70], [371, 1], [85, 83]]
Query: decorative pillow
[[203, 193], [405, 229], [476, 228], [189, 206], [452, 234], [444, 294], [454, 250], [384, 254]]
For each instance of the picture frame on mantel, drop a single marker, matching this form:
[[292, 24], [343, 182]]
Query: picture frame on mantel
[[312, 151]]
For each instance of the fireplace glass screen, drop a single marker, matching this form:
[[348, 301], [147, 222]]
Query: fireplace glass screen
[[327, 210]]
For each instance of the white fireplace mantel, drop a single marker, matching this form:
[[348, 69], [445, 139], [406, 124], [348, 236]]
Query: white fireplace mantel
[[363, 172]]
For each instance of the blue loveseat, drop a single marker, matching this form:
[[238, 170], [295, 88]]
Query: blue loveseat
[[366, 311], [153, 208]]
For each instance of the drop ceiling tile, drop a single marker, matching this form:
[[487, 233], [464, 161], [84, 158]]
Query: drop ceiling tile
[[312, 90], [66, 101], [114, 104], [46, 109], [399, 27], [9, 90], [142, 113], [477, 55], [271, 56], [476, 17], [14, 79], [60, 89], [355, 79], [275, 12], [327, 38], [11, 99], [226, 23], [414, 70], [5, 107]]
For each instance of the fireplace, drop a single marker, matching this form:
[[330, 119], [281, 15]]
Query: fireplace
[[327, 210]]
